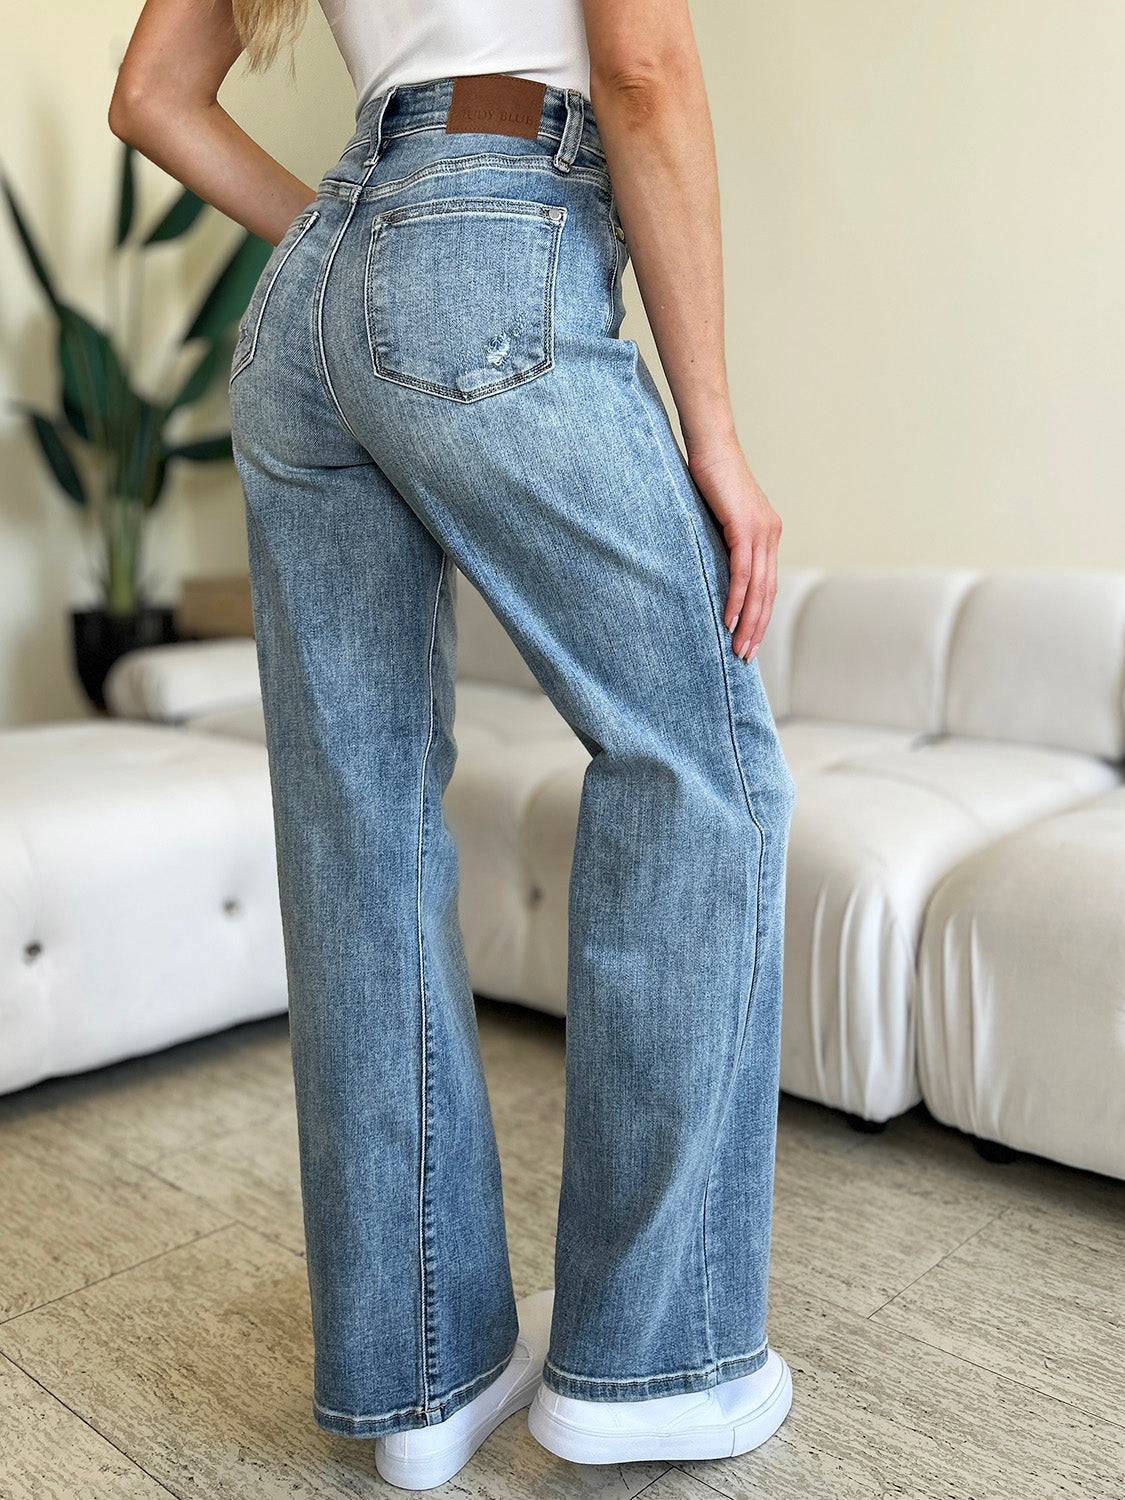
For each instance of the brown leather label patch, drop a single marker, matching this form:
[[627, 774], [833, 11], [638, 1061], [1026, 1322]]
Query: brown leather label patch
[[497, 104]]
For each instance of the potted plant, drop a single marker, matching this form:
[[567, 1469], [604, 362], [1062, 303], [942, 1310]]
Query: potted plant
[[109, 447]]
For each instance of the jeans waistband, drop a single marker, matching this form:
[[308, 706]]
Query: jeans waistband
[[567, 119]]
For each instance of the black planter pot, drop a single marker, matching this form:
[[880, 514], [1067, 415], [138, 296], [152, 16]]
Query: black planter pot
[[101, 638]]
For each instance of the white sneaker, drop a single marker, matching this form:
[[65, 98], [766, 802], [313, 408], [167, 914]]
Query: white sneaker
[[727, 1419], [427, 1456]]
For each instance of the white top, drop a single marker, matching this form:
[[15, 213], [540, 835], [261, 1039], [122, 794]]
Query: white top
[[410, 41]]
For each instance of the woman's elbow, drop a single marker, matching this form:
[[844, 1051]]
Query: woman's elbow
[[128, 107], [636, 88]]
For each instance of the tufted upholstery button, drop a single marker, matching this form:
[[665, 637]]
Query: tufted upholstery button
[[32, 951], [232, 907], [535, 895]]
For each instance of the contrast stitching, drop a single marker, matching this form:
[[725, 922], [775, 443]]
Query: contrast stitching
[[465, 206], [403, 1411], [452, 167], [306, 222], [544, 133], [424, 1026], [719, 1364], [615, 271], [325, 374], [324, 371], [761, 855], [478, 208]]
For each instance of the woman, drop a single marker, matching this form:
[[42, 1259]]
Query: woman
[[428, 377]]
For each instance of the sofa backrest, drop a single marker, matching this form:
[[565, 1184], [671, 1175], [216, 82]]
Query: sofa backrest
[[1039, 658], [485, 650], [870, 646], [775, 656], [1033, 658]]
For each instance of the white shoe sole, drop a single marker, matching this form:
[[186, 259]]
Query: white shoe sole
[[566, 1440], [443, 1460], [441, 1465]]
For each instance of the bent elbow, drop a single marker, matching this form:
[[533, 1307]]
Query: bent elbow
[[637, 88], [129, 107]]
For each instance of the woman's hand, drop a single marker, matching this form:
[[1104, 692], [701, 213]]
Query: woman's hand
[[752, 530]]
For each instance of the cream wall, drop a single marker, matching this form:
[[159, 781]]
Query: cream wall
[[925, 239], [925, 235]]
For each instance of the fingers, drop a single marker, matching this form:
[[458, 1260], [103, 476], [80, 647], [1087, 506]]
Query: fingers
[[754, 583], [747, 635], [741, 553]]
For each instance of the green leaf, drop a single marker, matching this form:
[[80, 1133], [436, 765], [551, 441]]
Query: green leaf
[[156, 485], [179, 218], [35, 260], [225, 303], [203, 450], [94, 380], [215, 357], [127, 195], [75, 418], [55, 451], [139, 452]]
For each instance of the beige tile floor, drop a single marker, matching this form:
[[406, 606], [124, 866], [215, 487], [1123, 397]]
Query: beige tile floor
[[956, 1330]]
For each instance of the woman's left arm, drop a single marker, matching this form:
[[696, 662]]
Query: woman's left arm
[[166, 105]]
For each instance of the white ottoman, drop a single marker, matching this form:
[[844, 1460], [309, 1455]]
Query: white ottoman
[[1021, 1024], [138, 894]]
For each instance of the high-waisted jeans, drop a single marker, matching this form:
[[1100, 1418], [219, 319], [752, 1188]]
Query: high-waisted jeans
[[429, 378]]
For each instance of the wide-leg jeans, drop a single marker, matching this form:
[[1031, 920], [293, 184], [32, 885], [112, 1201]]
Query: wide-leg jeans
[[429, 378]]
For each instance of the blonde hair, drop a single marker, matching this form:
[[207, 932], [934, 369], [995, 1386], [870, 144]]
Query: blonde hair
[[265, 26]]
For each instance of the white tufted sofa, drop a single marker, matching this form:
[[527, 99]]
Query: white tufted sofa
[[138, 893], [956, 897]]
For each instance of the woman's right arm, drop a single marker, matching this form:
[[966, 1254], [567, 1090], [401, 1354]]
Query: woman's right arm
[[650, 103], [166, 105]]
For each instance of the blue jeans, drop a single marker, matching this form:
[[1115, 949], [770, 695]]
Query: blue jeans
[[429, 377]]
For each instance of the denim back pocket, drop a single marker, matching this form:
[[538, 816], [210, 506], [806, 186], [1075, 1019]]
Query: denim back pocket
[[460, 294], [250, 324]]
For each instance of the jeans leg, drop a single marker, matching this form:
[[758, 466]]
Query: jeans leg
[[408, 1270], [573, 512]]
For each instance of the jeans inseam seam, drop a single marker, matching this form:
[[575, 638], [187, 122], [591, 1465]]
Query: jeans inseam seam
[[709, 1369], [424, 1027], [761, 858]]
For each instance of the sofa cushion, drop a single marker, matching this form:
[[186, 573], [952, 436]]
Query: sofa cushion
[[1021, 1031], [999, 786], [246, 722], [775, 655], [870, 647], [177, 682], [817, 744], [138, 893], [871, 839], [510, 744], [1040, 658], [485, 650]]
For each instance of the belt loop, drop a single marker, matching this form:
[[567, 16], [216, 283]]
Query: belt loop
[[572, 131], [377, 145]]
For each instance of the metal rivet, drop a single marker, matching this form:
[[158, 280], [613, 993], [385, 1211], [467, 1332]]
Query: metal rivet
[[32, 951], [556, 215], [619, 232]]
